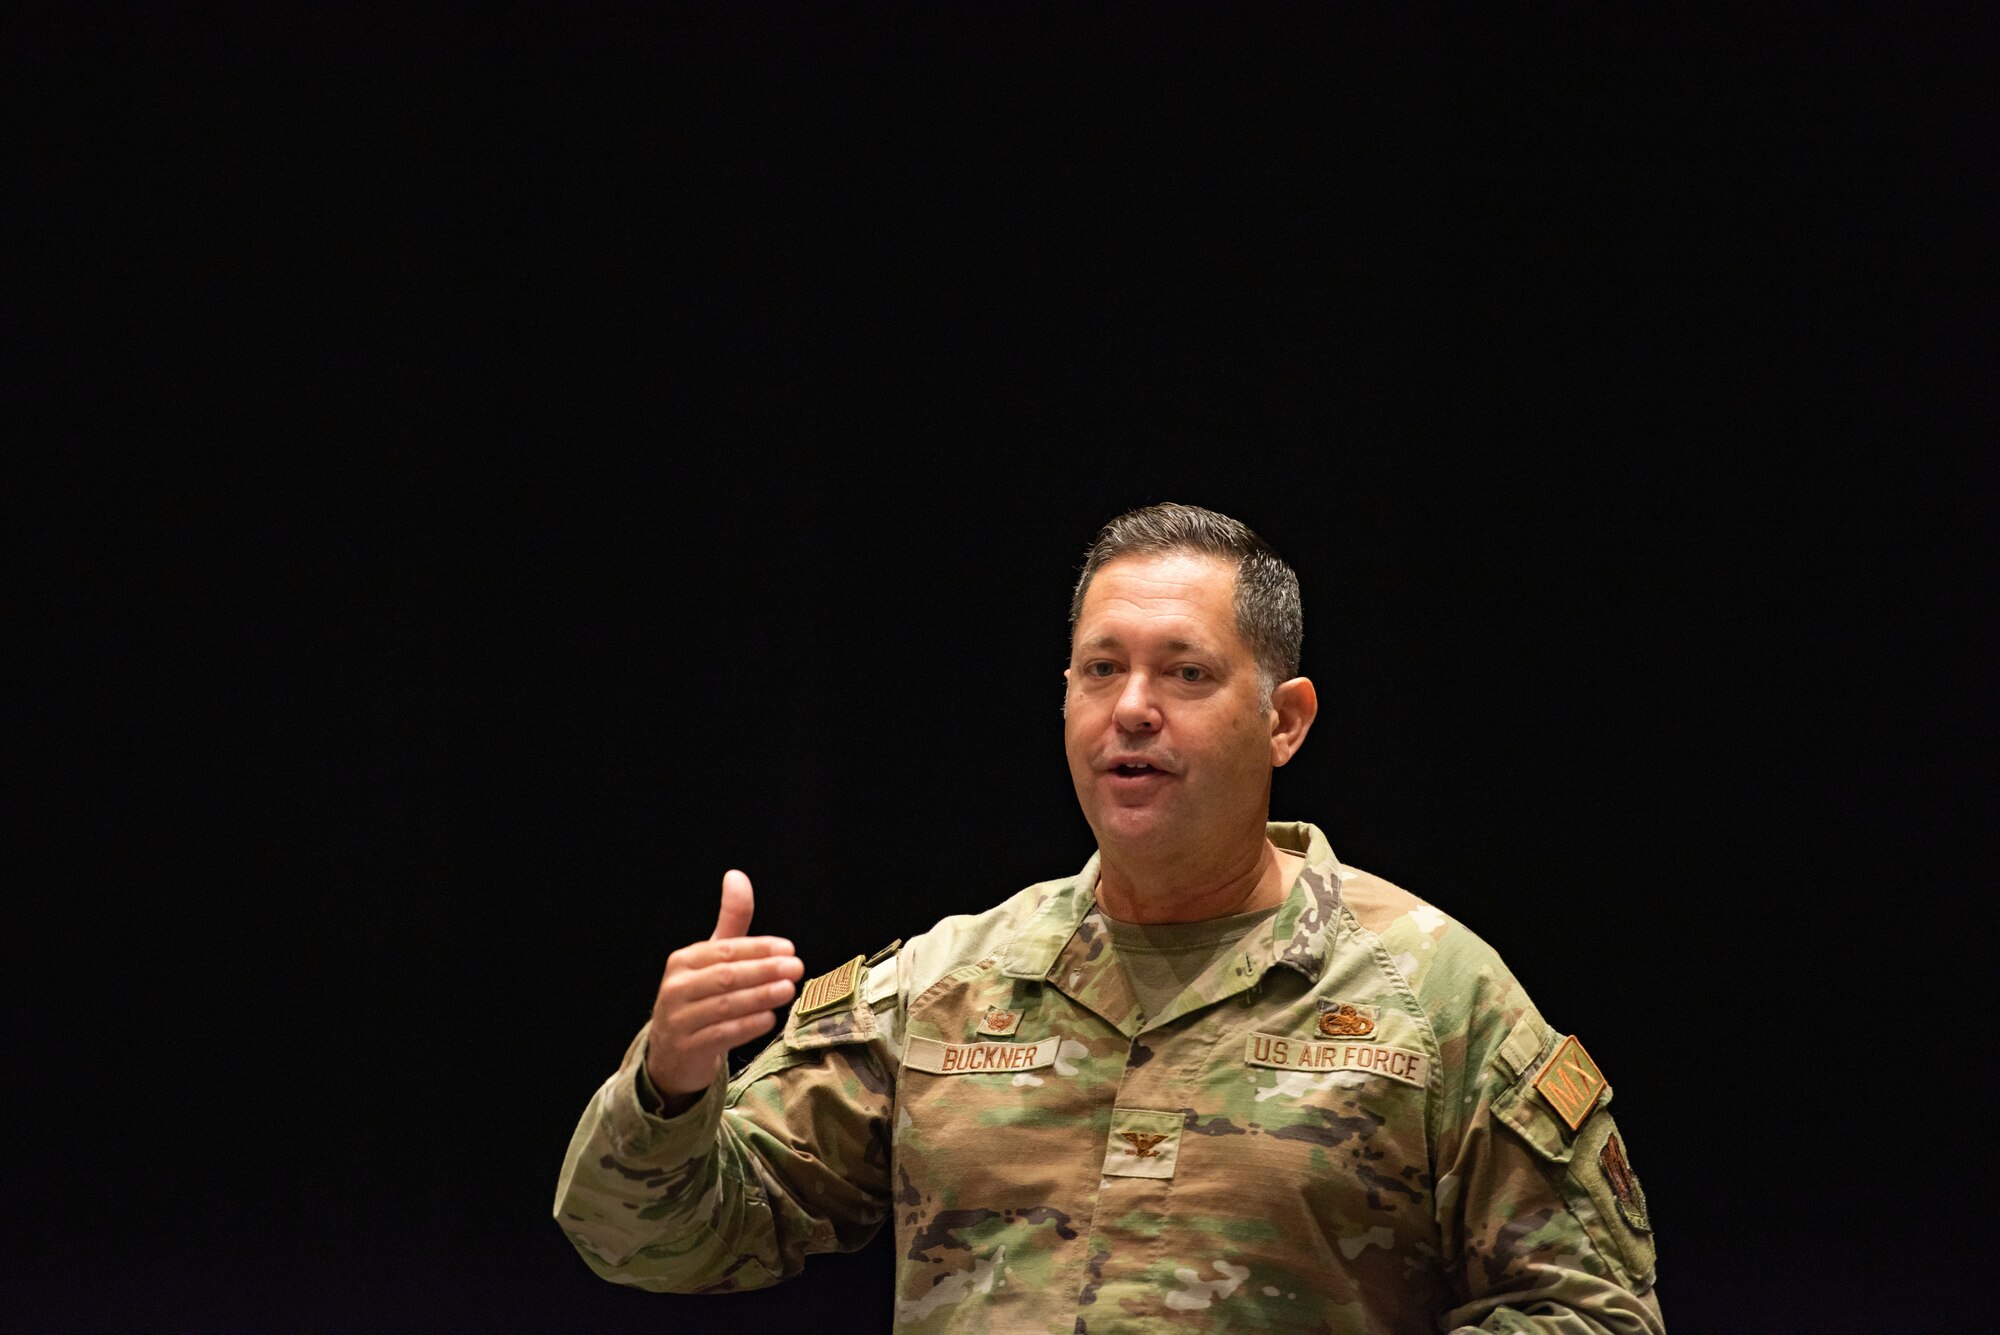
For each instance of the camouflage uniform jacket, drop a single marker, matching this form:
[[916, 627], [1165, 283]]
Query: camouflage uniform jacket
[[1353, 1122]]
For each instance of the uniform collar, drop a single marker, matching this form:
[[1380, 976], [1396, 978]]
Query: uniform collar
[[1065, 936], [1303, 933]]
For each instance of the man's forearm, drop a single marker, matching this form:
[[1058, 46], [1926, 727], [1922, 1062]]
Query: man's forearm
[[640, 1188]]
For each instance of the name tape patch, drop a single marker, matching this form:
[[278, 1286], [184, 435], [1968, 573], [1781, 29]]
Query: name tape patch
[[927, 1054], [1298, 1054]]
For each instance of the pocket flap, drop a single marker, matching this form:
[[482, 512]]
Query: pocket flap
[[1552, 1096], [856, 1024]]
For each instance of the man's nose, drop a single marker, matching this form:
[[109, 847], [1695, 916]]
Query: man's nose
[[1136, 710]]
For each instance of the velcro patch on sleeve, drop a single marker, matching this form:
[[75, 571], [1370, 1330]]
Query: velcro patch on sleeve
[[1571, 1083], [927, 1054], [878, 983], [1298, 1054], [1524, 1044], [830, 989]]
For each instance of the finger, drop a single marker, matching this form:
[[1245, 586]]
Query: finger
[[691, 1019], [737, 902], [691, 985], [705, 954], [720, 1038]]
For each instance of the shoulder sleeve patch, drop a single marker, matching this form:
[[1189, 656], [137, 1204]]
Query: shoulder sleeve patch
[[1616, 1216], [1624, 1183], [1571, 1083], [826, 1013], [1554, 1091], [830, 990]]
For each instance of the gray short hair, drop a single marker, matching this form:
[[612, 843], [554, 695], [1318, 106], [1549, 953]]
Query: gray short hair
[[1269, 615]]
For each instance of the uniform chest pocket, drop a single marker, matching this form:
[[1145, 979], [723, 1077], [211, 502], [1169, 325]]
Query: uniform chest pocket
[[1335, 1125], [1335, 1159], [996, 1126], [1582, 1144]]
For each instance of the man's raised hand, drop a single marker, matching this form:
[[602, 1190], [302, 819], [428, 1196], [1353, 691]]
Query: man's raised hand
[[715, 994]]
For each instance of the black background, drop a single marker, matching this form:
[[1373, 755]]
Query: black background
[[503, 469]]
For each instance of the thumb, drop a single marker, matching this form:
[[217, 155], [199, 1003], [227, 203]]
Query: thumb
[[737, 903]]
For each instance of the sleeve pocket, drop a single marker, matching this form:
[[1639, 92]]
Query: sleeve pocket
[[800, 1041], [1612, 1212]]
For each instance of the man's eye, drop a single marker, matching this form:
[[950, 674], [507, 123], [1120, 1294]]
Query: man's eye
[[1188, 673], [1098, 669]]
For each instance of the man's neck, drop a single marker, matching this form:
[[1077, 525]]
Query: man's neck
[[1256, 880]]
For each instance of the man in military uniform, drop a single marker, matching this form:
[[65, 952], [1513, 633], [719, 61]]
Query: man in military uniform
[[1215, 1080]]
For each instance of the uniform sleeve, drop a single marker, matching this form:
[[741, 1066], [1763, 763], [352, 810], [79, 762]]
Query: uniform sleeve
[[789, 1158], [1544, 1226]]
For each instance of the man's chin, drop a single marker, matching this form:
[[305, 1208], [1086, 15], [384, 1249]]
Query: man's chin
[[1138, 829]]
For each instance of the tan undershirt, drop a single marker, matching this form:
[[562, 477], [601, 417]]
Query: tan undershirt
[[1161, 959]]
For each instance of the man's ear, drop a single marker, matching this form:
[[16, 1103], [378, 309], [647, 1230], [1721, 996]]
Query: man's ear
[[1294, 706]]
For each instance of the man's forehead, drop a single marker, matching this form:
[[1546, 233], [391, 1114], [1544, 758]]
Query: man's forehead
[[1194, 576], [1187, 597]]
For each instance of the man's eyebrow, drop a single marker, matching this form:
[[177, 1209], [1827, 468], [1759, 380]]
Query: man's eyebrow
[[1172, 646]]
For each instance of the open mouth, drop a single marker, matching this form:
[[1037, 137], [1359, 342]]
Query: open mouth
[[1135, 771]]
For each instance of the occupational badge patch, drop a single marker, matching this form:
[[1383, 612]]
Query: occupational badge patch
[[1344, 1019], [830, 989], [1624, 1184], [1571, 1082], [998, 1023]]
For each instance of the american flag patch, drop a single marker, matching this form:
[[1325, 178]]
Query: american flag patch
[[830, 989]]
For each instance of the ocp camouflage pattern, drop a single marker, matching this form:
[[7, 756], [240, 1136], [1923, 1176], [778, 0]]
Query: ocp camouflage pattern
[[1158, 1173]]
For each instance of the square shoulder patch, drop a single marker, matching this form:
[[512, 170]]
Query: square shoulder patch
[[1571, 1083], [830, 989]]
